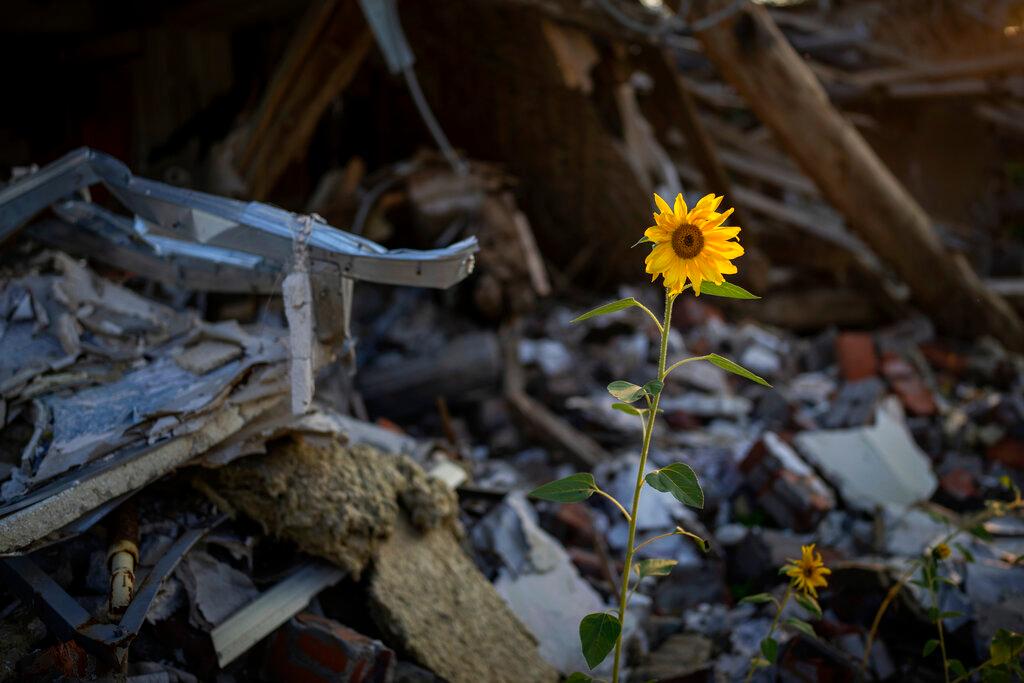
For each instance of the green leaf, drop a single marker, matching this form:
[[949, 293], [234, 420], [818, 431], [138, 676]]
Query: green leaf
[[968, 556], [608, 308], [626, 408], [950, 615], [770, 649], [981, 532], [957, 668], [758, 598], [760, 662], [933, 614], [627, 392], [679, 480], [654, 567], [577, 677], [802, 626], [727, 290], [929, 647], [654, 387], [598, 634], [809, 604], [643, 240], [735, 368], [572, 489]]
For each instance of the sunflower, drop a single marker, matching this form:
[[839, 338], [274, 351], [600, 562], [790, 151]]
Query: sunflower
[[809, 572], [691, 244]]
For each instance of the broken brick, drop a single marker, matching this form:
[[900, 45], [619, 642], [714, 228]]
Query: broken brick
[[1009, 451], [908, 385], [856, 354], [959, 484], [314, 649]]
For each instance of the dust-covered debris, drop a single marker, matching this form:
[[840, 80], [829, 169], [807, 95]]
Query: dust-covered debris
[[339, 503], [465, 632]]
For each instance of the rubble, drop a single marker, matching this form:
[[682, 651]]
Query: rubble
[[239, 443], [465, 632], [332, 502]]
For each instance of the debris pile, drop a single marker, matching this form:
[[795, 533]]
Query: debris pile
[[237, 442]]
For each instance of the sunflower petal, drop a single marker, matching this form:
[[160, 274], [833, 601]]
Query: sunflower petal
[[680, 208], [715, 219], [663, 206], [658, 233]]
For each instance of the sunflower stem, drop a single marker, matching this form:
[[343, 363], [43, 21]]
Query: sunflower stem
[[684, 362], [624, 592], [771, 629]]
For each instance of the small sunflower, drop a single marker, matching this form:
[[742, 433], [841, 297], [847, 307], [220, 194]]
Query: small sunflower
[[809, 572], [691, 244], [941, 551]]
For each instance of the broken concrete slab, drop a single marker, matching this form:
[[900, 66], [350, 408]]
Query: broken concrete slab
[[464, 632], [539, 581], [334, 502], [872, 465]]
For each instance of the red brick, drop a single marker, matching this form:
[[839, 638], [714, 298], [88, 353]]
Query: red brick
[[959, 483], [908, 385], [856, 354], [314, 649], [1009, 451]]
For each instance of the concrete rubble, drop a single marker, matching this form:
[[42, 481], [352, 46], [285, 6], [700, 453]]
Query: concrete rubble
[[303, 452]]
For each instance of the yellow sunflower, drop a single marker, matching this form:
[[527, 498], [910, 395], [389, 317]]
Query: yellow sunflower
[[691, 244], [809, 572]]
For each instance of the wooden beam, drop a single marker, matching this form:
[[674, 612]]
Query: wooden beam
[[752, 54], [319, 62]]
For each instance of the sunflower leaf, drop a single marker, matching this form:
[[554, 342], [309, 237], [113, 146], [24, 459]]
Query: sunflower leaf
[[802, 626], [654, 387], [572, 489], [598, 634], [735, 368], [577, 677], [929, 647], [608, 308], [626, 408], [679, 480], [758, 598], [770, 649], [627, 392], [727, 290], [643, 240], [654, 567], [809, 604]]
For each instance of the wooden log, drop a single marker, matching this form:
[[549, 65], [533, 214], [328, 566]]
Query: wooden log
[[468, 369], [577, 183], [753, 55], [319, 62]]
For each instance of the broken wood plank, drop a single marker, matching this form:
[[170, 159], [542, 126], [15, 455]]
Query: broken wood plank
[[979, 67], [319, 62], [538, 419], [754, 56]]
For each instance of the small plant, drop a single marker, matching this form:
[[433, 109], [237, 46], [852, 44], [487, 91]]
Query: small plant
[[806, 576], [690, 249], [929, 580]]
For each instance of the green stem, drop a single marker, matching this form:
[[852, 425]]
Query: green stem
[[932, 580], [684, 362], [617, 503], [624, 590], [771, 629]]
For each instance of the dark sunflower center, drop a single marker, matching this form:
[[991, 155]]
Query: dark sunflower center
[[809, 572], [687, 241]]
